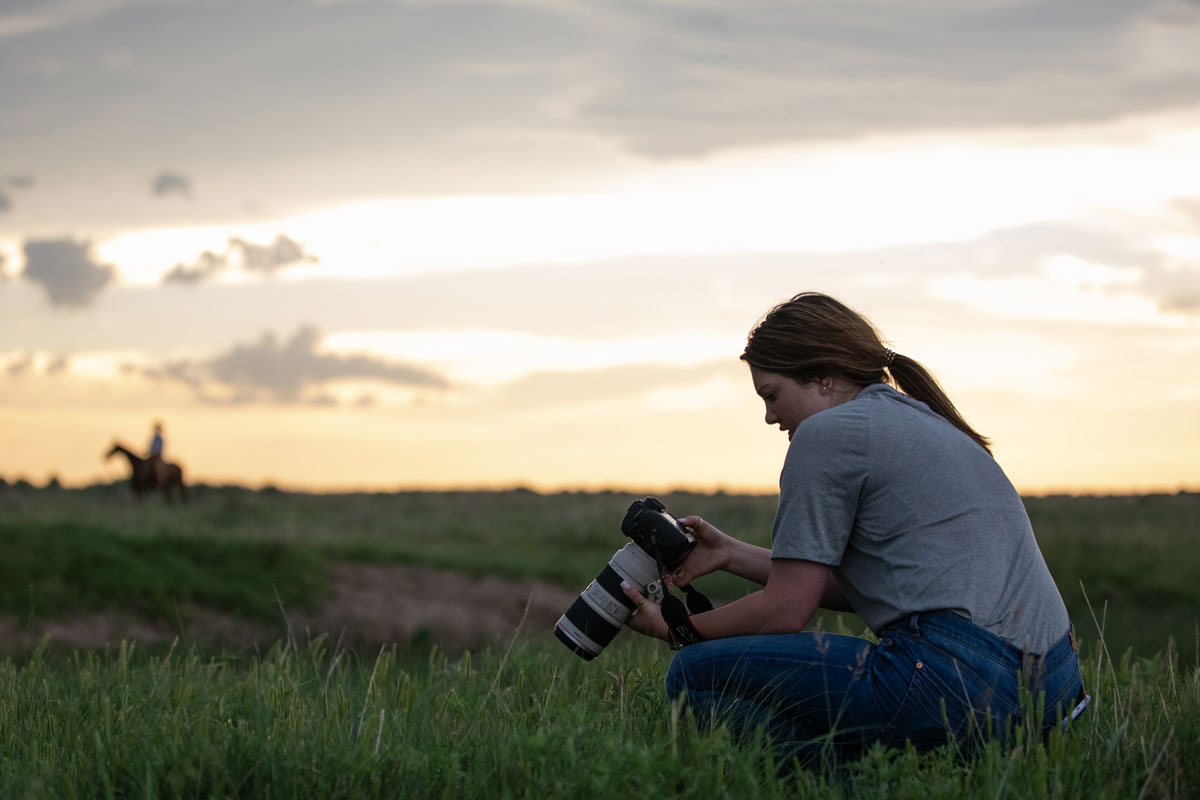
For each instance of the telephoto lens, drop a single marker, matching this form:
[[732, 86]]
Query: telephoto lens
[[602, 608]]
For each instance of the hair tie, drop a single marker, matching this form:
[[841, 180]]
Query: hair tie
[[888, 356]]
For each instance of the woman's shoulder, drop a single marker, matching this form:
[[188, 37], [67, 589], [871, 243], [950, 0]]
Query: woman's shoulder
[[877, 408], [869, 401], [839, 425], [882, 399]]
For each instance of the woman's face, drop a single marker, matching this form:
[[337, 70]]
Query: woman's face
[[788, 402]]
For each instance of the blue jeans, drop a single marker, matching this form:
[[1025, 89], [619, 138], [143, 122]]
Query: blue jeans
[[932, 678]]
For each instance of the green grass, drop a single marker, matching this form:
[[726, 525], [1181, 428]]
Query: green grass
[[532, 721], [47, 569], [1129, 561], [1134, 559], [528, 722]]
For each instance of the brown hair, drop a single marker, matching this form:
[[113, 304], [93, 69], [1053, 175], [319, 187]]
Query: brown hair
[[813, 336]]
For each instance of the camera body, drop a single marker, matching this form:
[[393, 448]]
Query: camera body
[[658, 544]]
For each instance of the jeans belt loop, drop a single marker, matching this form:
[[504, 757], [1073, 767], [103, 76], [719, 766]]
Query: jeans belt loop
[[914, 621]]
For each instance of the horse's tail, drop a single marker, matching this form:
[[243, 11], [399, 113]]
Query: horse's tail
[[175, 477]]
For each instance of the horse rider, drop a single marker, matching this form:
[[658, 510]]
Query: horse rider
[[154, 454]]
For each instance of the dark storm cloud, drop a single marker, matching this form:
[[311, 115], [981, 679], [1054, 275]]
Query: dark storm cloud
[[290, 371], [67, 271], [264, 260], [166, 183]]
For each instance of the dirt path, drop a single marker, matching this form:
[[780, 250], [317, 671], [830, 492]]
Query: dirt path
[[371, 605]]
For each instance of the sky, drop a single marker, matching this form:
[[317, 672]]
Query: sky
[[388, 244]]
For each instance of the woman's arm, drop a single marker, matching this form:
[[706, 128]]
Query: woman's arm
[[720, 551], [785, 605]]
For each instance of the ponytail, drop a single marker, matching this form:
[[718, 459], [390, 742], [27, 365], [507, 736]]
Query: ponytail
[[918, 383]]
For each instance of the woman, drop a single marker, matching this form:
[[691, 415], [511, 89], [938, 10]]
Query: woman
[[890, 506]]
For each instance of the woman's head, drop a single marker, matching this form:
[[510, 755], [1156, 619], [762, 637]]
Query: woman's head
[[813, 337]]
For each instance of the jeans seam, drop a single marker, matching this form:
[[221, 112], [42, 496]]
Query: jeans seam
[[973, 648]]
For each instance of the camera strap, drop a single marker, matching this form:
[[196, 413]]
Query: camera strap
[[680, 630], [697, 601]]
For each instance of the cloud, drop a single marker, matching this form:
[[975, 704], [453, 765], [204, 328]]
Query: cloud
[[1173, 258], [669, 79], [726, 75], [1189, 207], [1185, 301], [249, 257], [58, 364], [167, 182], [266, 259], [1177, 290], [30, 362], [17, 368], [287, 372], [207, 266], [16, 182], [20, 18], [67, 270]]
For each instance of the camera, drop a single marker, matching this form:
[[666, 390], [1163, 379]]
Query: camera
[[658, 545]]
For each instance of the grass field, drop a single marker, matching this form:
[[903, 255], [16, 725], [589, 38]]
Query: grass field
[[294, 720]]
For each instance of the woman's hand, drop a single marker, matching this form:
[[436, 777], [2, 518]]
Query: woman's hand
[[712, 552], [647, 616]]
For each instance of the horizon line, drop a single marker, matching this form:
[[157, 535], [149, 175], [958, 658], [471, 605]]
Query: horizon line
[[53, 482]]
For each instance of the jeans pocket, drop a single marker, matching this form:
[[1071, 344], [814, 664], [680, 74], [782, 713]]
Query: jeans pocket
[[946, 697], [894, 674]]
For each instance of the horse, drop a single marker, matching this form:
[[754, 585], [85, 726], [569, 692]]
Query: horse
[[144, 478]]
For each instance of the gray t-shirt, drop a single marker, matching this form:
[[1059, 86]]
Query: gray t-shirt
[[912, 515]]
